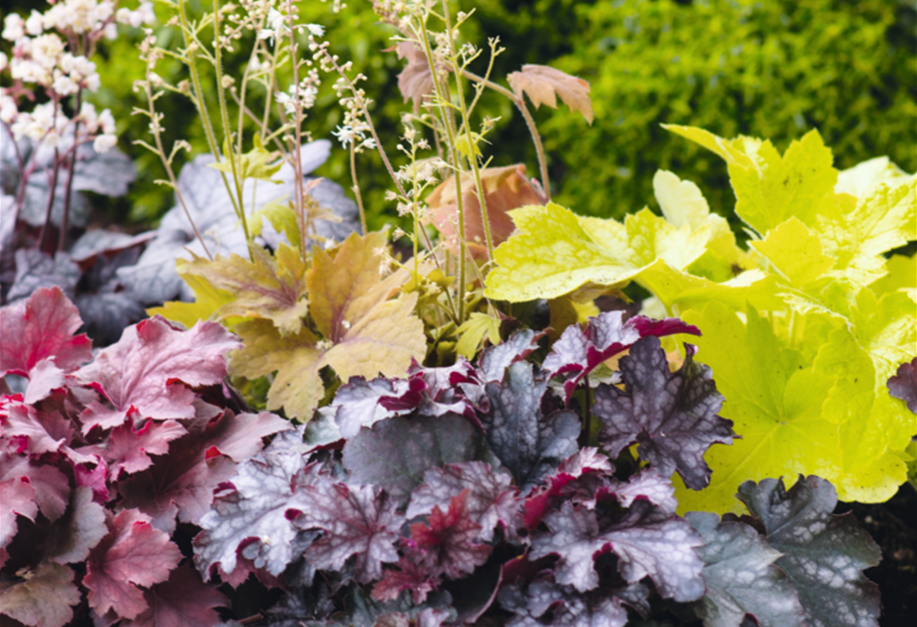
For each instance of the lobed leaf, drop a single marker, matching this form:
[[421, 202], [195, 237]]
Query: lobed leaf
[[181, 601], [543, 84], [445, 544], [41, 599], [671, 415]]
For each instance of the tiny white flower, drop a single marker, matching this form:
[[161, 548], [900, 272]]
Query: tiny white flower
[[316, 30], [107, 122], [33, 25], [111, 31], [8, 110], [13, 27], [64, 85], [123, 16], [344, 134], [369, 143], [104, 143], [89, 117], [92, 82], [146, 10], [136, 19]]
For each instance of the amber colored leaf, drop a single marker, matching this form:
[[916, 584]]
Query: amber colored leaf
[[543, 84], [415, 80], [41, 599], [269, 287], [505, 189], [364, 333]]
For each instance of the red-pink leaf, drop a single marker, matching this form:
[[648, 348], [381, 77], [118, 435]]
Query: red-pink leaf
[[17, 497], [52, 489], [182, 482], [411, 577], [129, 448], [41, 327], [184, 600], [145, 371], [45, 432], [445, 544], [44, 378], [132, 554]]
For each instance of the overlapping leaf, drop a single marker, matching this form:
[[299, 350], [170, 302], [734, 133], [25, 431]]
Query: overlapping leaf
[[532, 603], [823, 555], [43, 598], [445, 544], [741, 577], [181, 601], [143, 374], [671, 415], [903, 385], [364, 333]]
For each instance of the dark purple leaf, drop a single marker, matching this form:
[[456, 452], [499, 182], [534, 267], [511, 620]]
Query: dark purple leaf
[[37, 270], [571, 608], [396, 453], [445, 544], [671, 415], [648, 485], [182, 601], [562, 483], [741, 578], [357, 520], [356, 404], [495, 360], [647, 540], [823, 555], [904, 384], [491, 499], [409, 576], [529, 444]]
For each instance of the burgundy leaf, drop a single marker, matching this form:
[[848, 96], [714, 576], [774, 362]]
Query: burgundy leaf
[[130, 447], [80, 530], [357, 520], [823, 555], [529, 444], [42, 327], [647, 540], [671, 415], [577, 352], [182, 601], [132, 554], [542, 499], [150, 368], [46, 432], [182, 482], [51, 487], [491, 499], [903, 385], [250, 513], [445, 544], [410, 577], [42, 598]]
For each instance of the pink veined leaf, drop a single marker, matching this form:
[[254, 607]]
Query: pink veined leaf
[[39, 328], [445, 544], [132, 554], [149, 371], [410, 576], [182, 482], [94, 478], [50, 485], [44, 378], [603, 607], [357, 520], [182, 601], [491, 499]]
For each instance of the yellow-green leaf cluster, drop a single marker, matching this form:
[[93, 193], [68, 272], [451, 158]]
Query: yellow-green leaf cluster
[[802, 328]]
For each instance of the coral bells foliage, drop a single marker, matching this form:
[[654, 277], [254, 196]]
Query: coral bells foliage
[[462, 493], [100, 458]]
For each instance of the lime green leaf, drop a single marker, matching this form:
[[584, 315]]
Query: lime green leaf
[[474, 330], [266, 287], [557, 252], [282, 217], [770, 188], [254, 164], [902, 275], [860, 180], [795, 252], [857, 233], [207, 301]]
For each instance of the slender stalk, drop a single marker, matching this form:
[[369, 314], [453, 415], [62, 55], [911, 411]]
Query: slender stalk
[[529, 120], [68, 192], [587, 414], [52, 189], [468, 137], [297, 130], [356, 189], [224, 115]]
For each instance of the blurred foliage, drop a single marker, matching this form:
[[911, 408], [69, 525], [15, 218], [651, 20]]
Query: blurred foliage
[[765, 68]]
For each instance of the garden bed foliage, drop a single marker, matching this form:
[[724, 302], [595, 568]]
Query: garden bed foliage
[[262, 413]]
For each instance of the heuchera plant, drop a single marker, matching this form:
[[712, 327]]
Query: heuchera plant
[[803, 328], [107, 462]]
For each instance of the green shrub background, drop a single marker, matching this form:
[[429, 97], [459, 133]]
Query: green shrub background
[[767, 68]]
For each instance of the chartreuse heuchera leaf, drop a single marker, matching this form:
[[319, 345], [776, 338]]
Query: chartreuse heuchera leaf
[[802, 328]]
